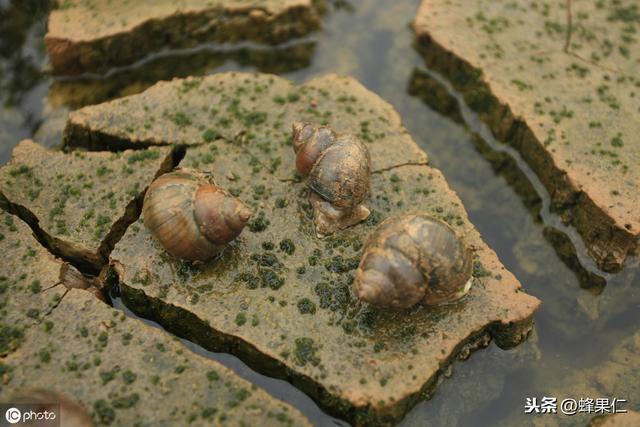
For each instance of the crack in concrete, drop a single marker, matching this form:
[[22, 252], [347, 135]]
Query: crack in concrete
[[567, 42], [54, 306], [389, 168], [51, 287]]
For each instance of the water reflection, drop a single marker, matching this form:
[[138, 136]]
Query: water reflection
[[22, 25], [74, 93], [424, 86]]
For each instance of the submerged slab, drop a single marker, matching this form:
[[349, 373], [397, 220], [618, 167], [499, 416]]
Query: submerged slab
[[80, 203], [124, 372], [614, 378], [564, 93], [84, 35], [280, 298]]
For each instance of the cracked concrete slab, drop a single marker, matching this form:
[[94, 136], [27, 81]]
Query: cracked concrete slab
[[123, 372], [79, 204], [85, 35], [29, 283], [278, 297], [563, 93], [256, 108]]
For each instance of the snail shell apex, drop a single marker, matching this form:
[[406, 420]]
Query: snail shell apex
[[191, 217], [412, 259], [337, 169]]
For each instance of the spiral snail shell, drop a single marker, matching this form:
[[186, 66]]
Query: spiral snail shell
[[191, 217], [336, 168], [410, 259]]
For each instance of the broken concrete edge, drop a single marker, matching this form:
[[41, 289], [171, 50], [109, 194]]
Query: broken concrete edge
[[68, 275], [608, 242], [436, 96], [88, 312], [87, 260], [72, 57], [75, 135], [187, 325]]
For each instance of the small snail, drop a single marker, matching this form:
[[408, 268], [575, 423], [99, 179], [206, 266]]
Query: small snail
[[336, 168], [71, 278], [410, 259], [192, 218]]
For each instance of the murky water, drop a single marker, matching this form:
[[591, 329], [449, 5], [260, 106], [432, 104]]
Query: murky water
[[580, 321]]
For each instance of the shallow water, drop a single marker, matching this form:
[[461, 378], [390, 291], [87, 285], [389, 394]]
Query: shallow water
[[580, 320]]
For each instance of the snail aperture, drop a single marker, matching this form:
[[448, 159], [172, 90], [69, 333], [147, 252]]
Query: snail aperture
[[337, 169], [410, 259], [191, 217]]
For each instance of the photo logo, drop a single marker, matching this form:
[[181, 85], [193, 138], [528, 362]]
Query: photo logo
[[13, 415]]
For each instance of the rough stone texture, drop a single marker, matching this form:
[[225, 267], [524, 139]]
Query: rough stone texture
[[27, 271], [85, 35], [124, 372], [120, 370], [256, 109], [79, 204], [437, 97], [564, 93], [279, 298]]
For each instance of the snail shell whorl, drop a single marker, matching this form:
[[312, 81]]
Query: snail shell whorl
[[190, 216], [410, 259], [337, 167]]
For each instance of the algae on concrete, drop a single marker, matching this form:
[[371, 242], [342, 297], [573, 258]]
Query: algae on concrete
[[278, 297], [124, 372], [89, 36], [120, 370], [27, 275], [559, 82], [80, 203]]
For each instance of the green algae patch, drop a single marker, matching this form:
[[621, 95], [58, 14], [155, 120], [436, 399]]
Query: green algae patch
[[85, 35], [79, 204], [256, 110], [28, 276], [564, 93], [124, 372], [280, 298]]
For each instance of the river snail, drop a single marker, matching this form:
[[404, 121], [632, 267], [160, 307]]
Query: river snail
[[191, 217], [410, 259], [337, 169]]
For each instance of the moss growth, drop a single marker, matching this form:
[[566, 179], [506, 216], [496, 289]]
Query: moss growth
[[305, 352], [306, 306]]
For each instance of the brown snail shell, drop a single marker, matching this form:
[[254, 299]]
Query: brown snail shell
[[337, 169], [192, 218], [410, 259]]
